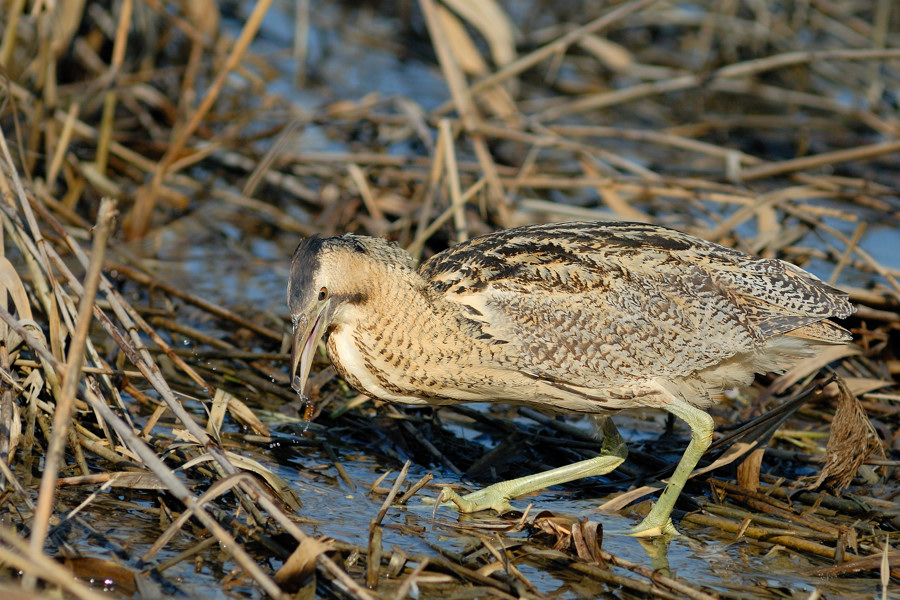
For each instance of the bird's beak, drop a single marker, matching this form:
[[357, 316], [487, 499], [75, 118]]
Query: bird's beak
[[308, 330]]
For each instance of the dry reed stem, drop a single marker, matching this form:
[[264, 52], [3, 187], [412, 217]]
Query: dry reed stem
[[433, 180], [473, 159], [148, 457], [684, 82], [71, 377], [848, 250], [175, 486], [109, 100], [656, 137], [786, 538], [416, 246], [451, 177], [13, 15], [201, 303], [826, 158], [468, 112], [139, 219], [124, 312], [301, 40], [365, 191], [65, 139], [557, 47], [33, 563]]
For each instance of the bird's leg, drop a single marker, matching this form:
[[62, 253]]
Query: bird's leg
[[497, 496], [659, 521]]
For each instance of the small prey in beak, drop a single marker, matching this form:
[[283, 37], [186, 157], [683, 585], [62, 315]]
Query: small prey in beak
[[309, 327]]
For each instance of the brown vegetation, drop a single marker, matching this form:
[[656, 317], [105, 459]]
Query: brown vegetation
[[128, 127]]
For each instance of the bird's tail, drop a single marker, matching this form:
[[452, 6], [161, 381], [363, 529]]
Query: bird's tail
[[822, 332]]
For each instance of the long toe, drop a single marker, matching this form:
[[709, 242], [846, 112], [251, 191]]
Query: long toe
[[648, 528], [485, 499]]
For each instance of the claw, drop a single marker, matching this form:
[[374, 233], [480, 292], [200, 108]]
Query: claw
[[647, 529], [486, 499]]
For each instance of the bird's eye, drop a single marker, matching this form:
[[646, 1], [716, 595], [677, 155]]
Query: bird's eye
[[323, 293]]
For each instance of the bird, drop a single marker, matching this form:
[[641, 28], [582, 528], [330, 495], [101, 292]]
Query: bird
[[577, 317]]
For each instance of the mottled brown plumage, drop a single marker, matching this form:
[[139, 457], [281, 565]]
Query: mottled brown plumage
[[587, 317]]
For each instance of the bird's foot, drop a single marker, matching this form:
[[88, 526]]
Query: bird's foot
[[651, 527], [490, 497]]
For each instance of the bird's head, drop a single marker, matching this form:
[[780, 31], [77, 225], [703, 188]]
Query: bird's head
[[331, 278]]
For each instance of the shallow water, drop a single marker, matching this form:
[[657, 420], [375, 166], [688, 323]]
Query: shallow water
[[232, 265]]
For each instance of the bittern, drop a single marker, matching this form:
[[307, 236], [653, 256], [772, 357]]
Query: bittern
[[579, 317]]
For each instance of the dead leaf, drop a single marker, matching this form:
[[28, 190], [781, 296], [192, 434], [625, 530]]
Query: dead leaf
[[850, 443], [617, 58], [10, 426], [103, 573], [136, 480], [204, 15], [243, 415], [588, 537], [559, 528], [217, 412], [11, 284], [281, 487], [611, 197], [278, 485], [67, 17], [184, 435], [496, 98], [810, 365], [300, 564], [491, 22], [864, 385], [748, 470]]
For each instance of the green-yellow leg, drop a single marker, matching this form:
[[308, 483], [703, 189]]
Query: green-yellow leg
[[497, 496], [659, 521]]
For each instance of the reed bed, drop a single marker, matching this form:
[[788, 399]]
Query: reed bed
[[129, 129]]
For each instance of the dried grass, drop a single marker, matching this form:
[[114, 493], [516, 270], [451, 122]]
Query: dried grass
[[719, 121]]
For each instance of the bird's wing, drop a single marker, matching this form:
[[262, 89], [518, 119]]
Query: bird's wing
[[599, 304]]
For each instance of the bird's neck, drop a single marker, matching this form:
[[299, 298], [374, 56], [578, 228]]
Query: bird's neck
[[389, 345], [397, 290]]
